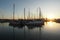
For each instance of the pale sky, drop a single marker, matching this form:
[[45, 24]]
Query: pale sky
[[48, 8]]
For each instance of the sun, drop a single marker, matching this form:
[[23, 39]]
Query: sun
[[50, 17]]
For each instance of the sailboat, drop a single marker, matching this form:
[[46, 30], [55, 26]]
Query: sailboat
[[36, 22], [15, 22]]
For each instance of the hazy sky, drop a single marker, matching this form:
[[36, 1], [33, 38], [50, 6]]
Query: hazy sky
[[48, 8]]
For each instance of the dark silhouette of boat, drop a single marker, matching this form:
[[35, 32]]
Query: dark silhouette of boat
[[16, 23], [22, 23], [35, 23]]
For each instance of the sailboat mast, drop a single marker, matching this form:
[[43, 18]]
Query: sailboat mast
[[13, 10], [24, 13], [29, 13], [39, 13]]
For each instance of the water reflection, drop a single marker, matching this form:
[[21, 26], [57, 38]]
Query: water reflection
[[51, 31], [51, 26], [50, 23], [27, 32], [16, 26], [48, 31]]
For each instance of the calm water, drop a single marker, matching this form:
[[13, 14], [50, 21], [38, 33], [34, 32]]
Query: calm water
[[48, 31]]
